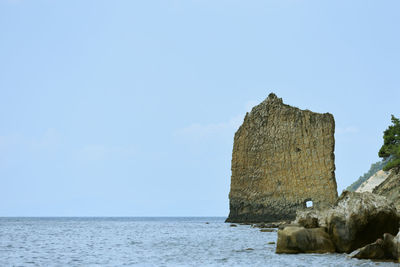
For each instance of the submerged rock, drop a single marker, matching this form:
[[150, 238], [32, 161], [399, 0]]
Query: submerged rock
[[267, 230], [297, 239], [270, 225]]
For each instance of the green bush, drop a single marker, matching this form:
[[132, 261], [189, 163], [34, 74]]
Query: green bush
[[390, 149], [391, 164]]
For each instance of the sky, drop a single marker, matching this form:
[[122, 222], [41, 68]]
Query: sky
[[129, 108]]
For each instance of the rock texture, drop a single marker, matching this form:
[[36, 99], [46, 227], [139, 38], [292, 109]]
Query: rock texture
[[357, 219], [297, 239], [390, 188], [282, 157], [374, 251], [387, 248]]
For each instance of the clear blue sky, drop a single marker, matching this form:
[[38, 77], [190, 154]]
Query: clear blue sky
[[129, 107]]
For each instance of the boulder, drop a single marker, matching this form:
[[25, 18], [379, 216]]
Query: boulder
[[392, 245], [374, 251], [359, 219], [297, 239], [356, 219], [309, 219], [386, 249]]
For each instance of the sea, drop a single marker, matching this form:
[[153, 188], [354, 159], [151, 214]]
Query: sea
[[162, 241]]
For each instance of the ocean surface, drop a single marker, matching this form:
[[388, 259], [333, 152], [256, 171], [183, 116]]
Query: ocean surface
[[148, 242]]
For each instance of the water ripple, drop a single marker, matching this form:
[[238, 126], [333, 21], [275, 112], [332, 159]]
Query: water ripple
[[147, 242]]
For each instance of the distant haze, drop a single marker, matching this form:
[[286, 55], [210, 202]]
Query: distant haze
[[128, 108]]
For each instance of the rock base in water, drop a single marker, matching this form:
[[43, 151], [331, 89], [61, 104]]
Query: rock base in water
[[387, 248], [297, 239], [282, 157]]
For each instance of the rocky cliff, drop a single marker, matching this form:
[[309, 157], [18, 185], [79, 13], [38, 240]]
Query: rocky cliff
[[375, 167], [282, 157], [390, 188], [373, 181]]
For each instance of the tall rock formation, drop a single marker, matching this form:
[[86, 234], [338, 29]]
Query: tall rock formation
[[282, 157]]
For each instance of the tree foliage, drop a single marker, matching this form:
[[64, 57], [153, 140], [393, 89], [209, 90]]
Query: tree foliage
[[391, 145]]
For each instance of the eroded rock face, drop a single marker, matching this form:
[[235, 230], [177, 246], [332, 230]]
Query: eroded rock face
[[390, 188], [359, 219], [282, 157]]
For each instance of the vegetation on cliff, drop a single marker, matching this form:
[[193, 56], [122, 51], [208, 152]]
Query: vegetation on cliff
[[377, 166], [391, 145], [390, 152]]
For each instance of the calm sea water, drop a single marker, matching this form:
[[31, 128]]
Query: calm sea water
[[147, 242]]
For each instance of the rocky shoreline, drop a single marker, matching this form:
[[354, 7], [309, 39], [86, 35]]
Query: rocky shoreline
[[363, 224]]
